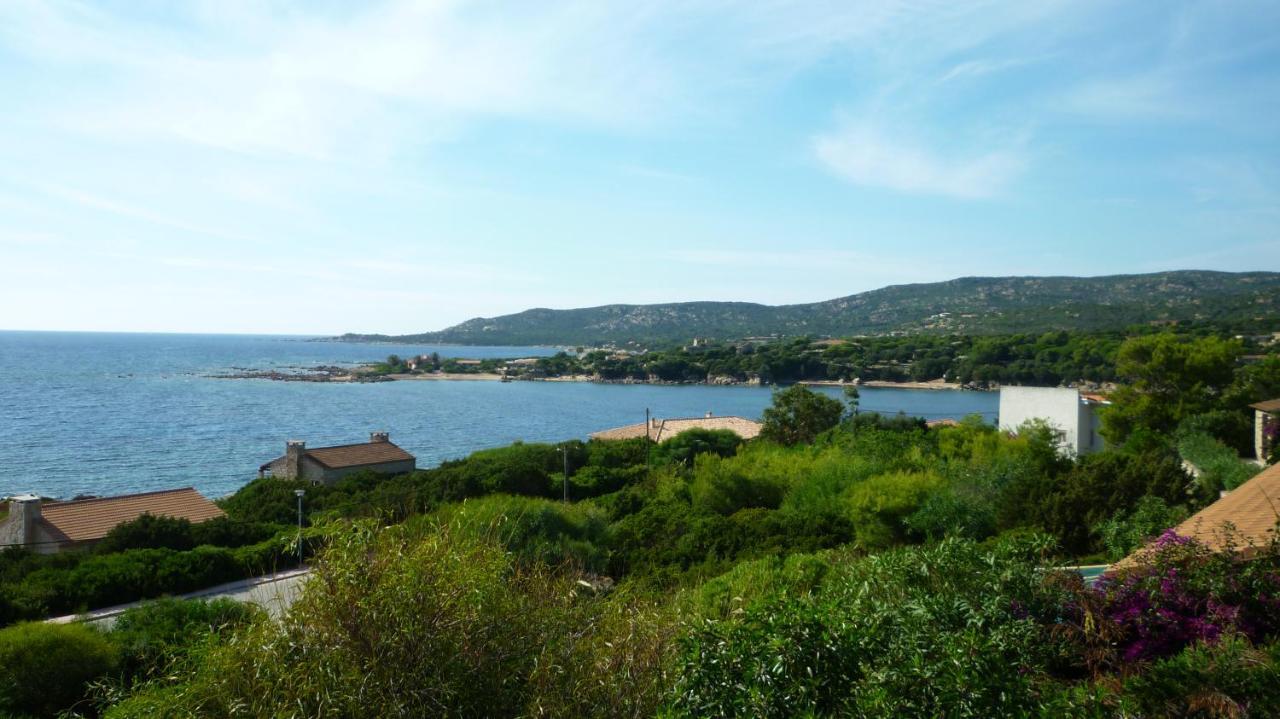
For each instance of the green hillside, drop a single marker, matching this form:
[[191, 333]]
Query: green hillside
[[970, 305]]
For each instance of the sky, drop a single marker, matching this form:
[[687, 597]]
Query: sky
[[323, 167]]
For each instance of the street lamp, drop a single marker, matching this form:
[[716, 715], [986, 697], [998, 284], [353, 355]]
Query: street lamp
[[564, 452], [298, 493]]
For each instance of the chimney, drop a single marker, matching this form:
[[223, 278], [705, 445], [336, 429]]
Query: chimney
[[379, 437], [708, 414], [293, 451], [25, 508], [654, 422]]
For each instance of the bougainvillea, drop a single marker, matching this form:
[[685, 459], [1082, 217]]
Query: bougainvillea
[[1184, 593]]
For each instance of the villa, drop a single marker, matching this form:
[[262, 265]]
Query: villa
[[326, 465]]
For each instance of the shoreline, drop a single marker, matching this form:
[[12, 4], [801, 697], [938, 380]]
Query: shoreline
[[931, 385]]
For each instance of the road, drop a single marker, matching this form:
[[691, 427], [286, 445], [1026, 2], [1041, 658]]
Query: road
[[273, 592]]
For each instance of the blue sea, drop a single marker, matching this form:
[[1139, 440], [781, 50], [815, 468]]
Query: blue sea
[[108, 413]]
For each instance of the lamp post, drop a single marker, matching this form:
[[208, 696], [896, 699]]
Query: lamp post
[[298, 493], [564, 453]]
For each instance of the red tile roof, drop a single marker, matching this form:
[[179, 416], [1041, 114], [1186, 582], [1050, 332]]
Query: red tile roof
[[90, 519]]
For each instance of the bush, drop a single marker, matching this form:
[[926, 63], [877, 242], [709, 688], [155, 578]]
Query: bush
[[1127, 531], [1220, 467], [388, 625], [950, 630], [153, 635], [534, 530], [1225, 678], [46, 668], [880, 505], [682, 449], [148, 532]]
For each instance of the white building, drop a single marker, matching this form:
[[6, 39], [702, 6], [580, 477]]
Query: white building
[[1071, 414]]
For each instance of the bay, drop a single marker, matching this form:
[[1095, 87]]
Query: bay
[[109, 413]]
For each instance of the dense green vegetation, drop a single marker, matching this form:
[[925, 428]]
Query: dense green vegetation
[[149, 557], [969, 305], [1050, 358]]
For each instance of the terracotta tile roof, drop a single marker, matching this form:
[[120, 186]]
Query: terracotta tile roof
[[945, 422], [667, 428], [1252, 510], [357, 455], [1271, 405], [90, 519]]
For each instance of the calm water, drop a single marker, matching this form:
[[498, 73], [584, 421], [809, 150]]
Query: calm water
[[115, 413]]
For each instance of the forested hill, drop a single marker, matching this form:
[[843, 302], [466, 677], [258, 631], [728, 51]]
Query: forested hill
[[974, 305]]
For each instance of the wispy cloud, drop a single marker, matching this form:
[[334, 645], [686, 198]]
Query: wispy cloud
[[870, 157]]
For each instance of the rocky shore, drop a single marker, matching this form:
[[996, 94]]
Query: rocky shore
[[322, 373]]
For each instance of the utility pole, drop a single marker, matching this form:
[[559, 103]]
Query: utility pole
[[564, 452], [647, 440], [299, 493]]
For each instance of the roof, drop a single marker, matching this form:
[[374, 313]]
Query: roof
[[1095, 398], [944, 422], [1271, 405], [357, 455], [1251, 510], [665, 429], [90, 519]]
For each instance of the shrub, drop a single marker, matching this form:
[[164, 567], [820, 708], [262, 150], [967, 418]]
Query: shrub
[[685, 447], [951, 630], [880, 505], [148, 532], [156, 633], [535, 530], [46, 668], [1224, 678], [1127, 531], [1220, 467], [388, 625]]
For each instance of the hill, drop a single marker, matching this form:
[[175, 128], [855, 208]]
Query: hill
[[971, 305]]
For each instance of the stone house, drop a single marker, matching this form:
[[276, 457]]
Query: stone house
[[51, 527], [326, 465], [1266, 424]]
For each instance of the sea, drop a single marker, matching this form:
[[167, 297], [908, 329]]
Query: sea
[[113, 413]]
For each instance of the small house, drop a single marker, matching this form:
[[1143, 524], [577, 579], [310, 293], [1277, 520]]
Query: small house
[[326, 465], [51, 527]]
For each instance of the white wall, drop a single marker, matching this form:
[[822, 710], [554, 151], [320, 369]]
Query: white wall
[[1060, 407]]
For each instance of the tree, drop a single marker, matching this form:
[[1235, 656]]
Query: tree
[[1167, 379], [851, 397], [798, 415]]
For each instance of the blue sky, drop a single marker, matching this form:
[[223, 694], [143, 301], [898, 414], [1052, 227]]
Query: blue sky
[[320, 167]]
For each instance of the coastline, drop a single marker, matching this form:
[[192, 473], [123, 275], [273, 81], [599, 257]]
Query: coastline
[[932, 385]]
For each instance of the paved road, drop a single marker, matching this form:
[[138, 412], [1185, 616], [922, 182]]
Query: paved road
[[274, 593]]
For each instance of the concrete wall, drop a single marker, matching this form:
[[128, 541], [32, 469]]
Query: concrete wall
[[1060, 407], [1261, 444], [11, 530]]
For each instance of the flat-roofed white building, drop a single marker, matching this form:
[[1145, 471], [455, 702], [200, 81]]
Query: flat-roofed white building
[[1071, 413]]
